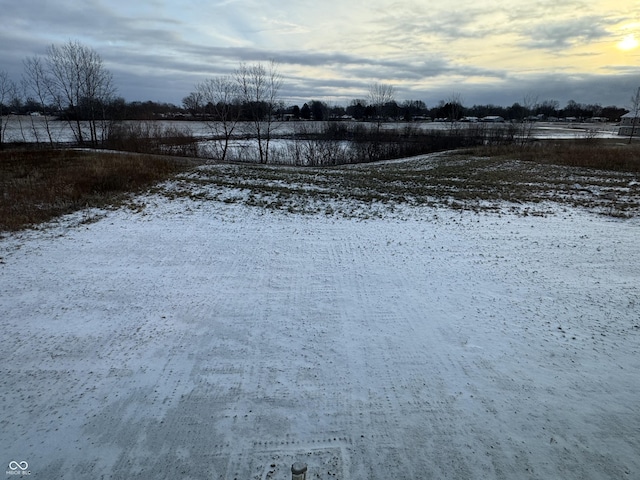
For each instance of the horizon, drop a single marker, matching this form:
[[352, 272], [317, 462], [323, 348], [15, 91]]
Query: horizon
[[486, 52]]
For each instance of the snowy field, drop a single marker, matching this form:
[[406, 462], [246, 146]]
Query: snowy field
[[199, 339]]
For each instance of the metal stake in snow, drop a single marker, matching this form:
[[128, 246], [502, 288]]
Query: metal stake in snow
[[299, 471]]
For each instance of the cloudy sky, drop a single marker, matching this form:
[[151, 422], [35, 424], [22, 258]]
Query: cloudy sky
[[484, 51]]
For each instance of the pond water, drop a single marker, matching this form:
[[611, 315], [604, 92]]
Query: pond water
[[33, 129]]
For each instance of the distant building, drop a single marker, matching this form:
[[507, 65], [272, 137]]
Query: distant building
[[492, 119], [629, 124]]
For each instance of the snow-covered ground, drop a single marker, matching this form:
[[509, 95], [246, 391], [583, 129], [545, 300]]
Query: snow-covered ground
[[211, 340]]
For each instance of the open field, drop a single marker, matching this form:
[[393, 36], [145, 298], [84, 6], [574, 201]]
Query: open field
[[479, 180], [450, 316]]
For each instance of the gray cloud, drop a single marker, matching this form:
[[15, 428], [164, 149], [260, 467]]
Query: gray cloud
[[427, 50], [598, 89], [562, 34]]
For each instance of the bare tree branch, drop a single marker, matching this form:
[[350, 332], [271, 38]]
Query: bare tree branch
[[259, 87], [79, 85]]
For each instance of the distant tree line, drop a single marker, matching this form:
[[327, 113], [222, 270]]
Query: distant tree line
[[360, 109]]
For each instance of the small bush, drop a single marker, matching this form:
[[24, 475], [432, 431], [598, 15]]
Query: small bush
[[153, 138], [343, 143]]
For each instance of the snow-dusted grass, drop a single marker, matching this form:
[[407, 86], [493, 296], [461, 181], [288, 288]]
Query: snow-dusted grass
[[464, 181], [211, 336]]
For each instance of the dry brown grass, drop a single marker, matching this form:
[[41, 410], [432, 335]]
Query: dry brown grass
[[602, 154], [38, 185]]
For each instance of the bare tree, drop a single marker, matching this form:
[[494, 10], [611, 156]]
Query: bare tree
[[36, 85], [454, 110], [380, 94], [8, 94], [220, 97], [80, 86], [529, 104], [259, 87], [635, 111], [193, 102]]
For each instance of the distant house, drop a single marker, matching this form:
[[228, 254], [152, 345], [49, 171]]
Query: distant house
[[629, 124], [492, 119]]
